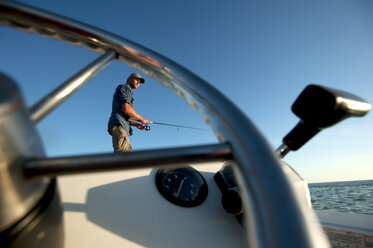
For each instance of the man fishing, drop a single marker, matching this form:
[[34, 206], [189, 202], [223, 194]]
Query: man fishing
[[119, 125]]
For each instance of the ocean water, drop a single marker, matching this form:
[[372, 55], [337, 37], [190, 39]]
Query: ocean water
[[348, 197]]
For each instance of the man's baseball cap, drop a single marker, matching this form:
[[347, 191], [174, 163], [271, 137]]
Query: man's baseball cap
[[136, 75]]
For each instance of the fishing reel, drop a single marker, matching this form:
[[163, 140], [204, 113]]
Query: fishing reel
[[147, 128]]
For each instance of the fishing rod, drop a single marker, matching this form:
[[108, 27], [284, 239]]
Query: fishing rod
[[147, 128]]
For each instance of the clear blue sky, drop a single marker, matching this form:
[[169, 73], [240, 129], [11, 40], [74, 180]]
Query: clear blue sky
[[260, 54]]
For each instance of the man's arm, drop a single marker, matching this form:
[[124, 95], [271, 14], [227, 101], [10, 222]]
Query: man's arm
[[128, 110]]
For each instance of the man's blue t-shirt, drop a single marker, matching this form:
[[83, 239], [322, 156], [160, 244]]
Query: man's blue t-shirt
[[123, 94]]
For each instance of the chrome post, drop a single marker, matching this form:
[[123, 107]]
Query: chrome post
[[59, 95], [282, 150], [126, 161]]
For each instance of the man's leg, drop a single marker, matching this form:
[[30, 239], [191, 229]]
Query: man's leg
[[121, 143]]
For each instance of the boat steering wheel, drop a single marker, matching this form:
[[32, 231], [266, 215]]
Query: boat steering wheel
[[274, 217]]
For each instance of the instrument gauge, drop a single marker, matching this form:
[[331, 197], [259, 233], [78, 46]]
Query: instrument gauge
[[184, 186]]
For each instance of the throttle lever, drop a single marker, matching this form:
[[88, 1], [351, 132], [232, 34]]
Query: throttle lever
[[319, 107]]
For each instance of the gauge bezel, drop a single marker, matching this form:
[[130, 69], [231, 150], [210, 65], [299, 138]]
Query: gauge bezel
[[168, 194]]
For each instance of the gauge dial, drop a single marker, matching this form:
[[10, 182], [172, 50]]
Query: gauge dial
[[184, 186]]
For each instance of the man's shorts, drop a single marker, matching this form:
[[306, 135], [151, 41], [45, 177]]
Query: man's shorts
[[121, 143]]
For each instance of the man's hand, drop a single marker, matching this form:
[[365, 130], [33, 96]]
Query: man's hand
[[144, 121], [139, 126]]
